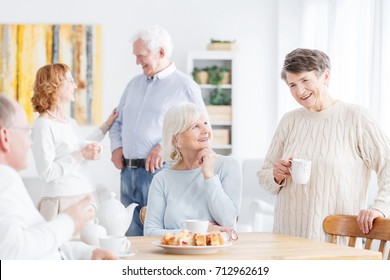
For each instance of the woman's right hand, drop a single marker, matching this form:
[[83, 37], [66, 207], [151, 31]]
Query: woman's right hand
[[230, 232], [281, 170], [91, 151], [206, 158]]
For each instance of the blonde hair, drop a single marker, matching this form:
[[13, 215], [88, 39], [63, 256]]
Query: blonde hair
[[47, 81], [177, 120]]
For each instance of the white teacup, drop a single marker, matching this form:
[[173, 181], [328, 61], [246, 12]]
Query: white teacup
[[91, 233], [196, 226], [119, 245], [87, 142], [300, 170]]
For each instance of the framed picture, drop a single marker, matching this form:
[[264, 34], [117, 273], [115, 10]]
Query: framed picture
[[24, 48]]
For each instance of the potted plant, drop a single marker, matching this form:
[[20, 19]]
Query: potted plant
[[227, 45], [219, 105], [218, 75], [201, 76], [219, 96]]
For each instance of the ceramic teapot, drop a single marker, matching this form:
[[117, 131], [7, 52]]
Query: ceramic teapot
[[114, 216], [91, 233]]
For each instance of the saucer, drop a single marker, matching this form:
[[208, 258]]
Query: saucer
[[128, 254], [192, 250]]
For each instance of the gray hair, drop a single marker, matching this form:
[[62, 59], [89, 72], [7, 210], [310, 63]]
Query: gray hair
[[305, 60], [155, 37], [177, 120], [7, 111]]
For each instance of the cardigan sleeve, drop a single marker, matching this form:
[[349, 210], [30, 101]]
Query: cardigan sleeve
[[374, 148]]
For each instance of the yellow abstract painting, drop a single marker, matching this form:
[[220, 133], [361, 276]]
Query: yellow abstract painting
[[24, 48]]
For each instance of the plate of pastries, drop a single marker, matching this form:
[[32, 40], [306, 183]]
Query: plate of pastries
[[185, 242]]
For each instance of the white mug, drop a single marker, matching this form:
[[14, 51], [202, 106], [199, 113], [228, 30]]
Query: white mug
[[119, 245], [300, 170], [196, 226]]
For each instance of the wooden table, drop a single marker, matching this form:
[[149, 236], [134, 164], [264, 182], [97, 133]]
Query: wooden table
[[257, 246]]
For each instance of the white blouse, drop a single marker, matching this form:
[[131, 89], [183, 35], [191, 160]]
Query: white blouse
[[56, 150]]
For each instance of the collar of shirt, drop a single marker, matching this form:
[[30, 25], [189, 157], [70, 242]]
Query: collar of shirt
[[165, 72]]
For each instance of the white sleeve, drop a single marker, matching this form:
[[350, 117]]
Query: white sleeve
[[76, 250], [96, 135]]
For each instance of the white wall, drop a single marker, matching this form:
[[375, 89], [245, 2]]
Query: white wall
[[264, 29], [252, 23], [260, 27]]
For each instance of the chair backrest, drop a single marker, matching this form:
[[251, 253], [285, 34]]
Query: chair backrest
[[252, 193], [142, 214], [34, 187], [346, 225]]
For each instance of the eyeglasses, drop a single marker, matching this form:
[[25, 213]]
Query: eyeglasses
[[71, 80], [26, 129]]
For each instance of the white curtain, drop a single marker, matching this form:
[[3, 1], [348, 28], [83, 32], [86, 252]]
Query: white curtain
[[356, 36]]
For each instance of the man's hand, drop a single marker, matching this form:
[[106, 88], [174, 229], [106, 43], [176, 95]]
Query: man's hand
[[101, 254], [117, 157], [154, 160], [366, 218], [81, 213]]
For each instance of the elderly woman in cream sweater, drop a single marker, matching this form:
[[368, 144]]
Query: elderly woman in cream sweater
[[342, 141]]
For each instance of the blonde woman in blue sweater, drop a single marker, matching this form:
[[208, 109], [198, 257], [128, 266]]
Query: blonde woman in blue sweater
[[200, 184]]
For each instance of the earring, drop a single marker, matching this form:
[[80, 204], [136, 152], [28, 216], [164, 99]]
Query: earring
[[176, 153]]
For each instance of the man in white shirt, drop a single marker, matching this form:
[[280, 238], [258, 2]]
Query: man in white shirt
[[24, 233]]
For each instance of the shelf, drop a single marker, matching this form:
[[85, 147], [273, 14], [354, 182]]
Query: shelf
[[212, 55], [208, 86], [221, 117], [227, 146], [221, 123]]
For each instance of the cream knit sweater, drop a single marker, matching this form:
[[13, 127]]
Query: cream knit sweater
[[344, 144]]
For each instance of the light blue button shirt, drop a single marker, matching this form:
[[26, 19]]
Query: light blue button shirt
[[143, 105]]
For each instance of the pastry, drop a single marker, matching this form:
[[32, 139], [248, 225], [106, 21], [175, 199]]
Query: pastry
[[214, 238], [200, 239], [186, 238]]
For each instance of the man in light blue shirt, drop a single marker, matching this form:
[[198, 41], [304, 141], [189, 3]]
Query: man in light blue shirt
[[136, 133]]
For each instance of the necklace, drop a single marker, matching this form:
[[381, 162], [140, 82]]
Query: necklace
[[64, 120]]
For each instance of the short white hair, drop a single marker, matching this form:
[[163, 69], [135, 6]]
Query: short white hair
[[155, 37], [177, 119], [7, 111]]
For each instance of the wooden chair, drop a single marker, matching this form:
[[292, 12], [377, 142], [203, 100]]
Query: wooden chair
[[346, 225], [142, 214]]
